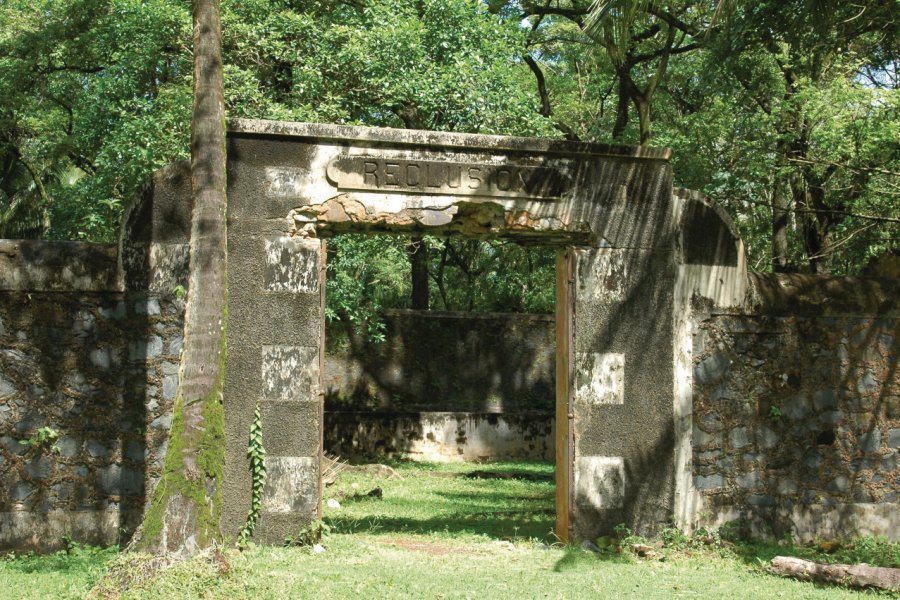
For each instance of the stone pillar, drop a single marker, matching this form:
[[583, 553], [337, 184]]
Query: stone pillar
[[274, 358], [622, 390]]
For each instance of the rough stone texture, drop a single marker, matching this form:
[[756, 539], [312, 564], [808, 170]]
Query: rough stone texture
[[796, 415], [80, 364], [48, 266], [445, 362], [440, 436]]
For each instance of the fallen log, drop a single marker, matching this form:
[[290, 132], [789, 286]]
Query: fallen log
[[859, 576]]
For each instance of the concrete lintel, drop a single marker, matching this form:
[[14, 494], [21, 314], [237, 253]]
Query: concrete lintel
[[415, 137]]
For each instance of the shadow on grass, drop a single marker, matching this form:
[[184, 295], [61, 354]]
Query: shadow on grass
[[524, 524], [574, 557]]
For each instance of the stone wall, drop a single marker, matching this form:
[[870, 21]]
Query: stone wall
[[797, 410], [439, 436], [445, 362], [443, 386], [81, 360]]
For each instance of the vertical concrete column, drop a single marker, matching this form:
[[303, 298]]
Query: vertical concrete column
[[622, 390], [274, 359]]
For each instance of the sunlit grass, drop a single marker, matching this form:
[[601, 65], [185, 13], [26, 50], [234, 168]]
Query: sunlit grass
[[435, 533]]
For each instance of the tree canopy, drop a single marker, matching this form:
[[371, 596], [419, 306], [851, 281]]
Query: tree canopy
[[787, 113]]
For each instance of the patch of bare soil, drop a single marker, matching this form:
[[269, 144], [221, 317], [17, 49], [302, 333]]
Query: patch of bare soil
[[431, 548]]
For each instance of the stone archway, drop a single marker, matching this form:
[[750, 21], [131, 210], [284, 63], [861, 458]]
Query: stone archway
[[622, 399]]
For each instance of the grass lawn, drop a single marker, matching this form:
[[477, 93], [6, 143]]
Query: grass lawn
[[436, 533]]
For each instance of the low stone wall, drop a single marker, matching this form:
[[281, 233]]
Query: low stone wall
[[797, 411], [440, 436], [92, 371]]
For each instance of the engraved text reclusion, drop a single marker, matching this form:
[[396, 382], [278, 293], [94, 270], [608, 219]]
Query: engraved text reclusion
[[444, 177]]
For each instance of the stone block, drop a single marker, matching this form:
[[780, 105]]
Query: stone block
[[290, 373], [162, 422], [145, 349], [708, 482], [786, 487], [600, 378], [292, 484], [600, 482], [766, 438], [839, 484], [795, 408], [711, 422], [292, 265], [21, 491], [890, 461], [169, 387], [894, 438], [121, 481], [100, 358], [7, 388], [701, 438], [825, 400], [12, 445], [739, 437], [146, 306], [760, 500], [867, 384], [870, 441], [135, 450], [38, 467], [712, 368], [96, 449], [832, 417], [749, 481]]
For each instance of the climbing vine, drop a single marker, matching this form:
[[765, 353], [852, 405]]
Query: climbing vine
[[256, 452]]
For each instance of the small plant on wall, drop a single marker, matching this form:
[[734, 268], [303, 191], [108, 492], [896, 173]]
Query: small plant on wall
[[256, 452], [41, 439]]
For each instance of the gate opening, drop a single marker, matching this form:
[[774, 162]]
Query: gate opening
[[439, 384]]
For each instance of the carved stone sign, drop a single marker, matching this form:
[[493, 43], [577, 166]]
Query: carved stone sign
[[414, 176]]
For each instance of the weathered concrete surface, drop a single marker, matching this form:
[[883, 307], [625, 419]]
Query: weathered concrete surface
[[440, 436], [316, 179]]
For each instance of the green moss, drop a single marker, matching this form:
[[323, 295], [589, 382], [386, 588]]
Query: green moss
[[210, 460]]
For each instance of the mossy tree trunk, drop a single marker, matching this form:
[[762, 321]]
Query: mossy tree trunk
[[184, 513]]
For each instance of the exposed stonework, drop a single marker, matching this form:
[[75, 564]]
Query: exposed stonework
[[99, 369], [793, 414]]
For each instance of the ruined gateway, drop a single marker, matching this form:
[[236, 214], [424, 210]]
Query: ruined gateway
[[658, 419], [631, 253]]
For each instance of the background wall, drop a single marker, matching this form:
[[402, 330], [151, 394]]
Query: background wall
[[443, 386]]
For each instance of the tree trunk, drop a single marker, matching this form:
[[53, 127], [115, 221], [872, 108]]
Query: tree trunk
[[418, 258], [643, 109], [780, 222], [184, 514], [622, 103], [860, 576]]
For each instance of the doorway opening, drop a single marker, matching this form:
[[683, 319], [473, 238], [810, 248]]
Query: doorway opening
[[439, 386]]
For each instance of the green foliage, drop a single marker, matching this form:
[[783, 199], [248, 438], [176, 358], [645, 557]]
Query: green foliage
[[42, 437], [256, 452], [96, 94], [312, 534]]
